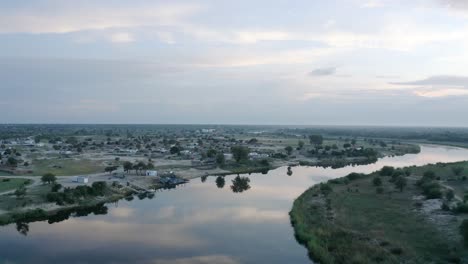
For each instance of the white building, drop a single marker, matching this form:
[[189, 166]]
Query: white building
[[227, 156], [151, 173], [80, 179]]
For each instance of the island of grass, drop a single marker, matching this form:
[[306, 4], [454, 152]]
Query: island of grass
[[409, 215]]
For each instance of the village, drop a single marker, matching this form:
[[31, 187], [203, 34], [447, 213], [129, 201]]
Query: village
[[130, 161]]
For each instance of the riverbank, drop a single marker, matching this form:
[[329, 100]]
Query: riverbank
[[395, 216]]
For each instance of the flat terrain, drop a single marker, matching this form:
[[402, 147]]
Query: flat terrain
[[351, 220], [7, 184]]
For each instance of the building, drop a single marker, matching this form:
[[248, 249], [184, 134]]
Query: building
[[151, 173], [80, 179]]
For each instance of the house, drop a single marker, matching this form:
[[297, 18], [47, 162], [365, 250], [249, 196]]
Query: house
[[80, 179], [151, 173], [227, 156]]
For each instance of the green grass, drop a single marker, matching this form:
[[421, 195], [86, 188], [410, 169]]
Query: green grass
[[5, 173], [11, 184], [354, 224], [67, 167]]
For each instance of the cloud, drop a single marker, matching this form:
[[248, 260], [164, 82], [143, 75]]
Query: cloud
[[53, 17], [455, 4], [121, 37], [439, 80], [372, 4], [441, 93], [323, 71]]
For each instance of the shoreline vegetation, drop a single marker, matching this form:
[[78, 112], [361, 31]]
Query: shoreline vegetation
[[407, 215]]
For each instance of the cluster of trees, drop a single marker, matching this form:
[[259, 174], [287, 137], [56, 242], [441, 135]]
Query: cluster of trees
[[398, 177], [139, 167], [240, 153], [72, 196]]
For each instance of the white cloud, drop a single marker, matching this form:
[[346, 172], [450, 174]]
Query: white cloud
[[121, 37], [441, 93], [372, 4], [68, 18]]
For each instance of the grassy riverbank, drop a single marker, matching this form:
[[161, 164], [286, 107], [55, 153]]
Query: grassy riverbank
[[357, 219]]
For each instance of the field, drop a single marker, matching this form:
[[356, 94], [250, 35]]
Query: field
[[67, 167], [353, 223], [7, 184]]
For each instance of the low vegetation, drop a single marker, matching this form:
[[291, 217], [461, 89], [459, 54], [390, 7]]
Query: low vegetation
[[387, 217]]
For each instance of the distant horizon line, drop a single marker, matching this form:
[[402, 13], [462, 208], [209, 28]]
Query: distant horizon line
[[240, 124]]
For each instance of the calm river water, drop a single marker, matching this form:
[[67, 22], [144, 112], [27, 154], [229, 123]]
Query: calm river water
[[195, 223]]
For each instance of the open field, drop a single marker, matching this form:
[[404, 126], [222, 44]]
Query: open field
[[67, 167], [349, 220], [10, 183]]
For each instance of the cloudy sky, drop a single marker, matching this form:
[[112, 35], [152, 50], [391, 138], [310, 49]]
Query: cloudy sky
[[358, 62]]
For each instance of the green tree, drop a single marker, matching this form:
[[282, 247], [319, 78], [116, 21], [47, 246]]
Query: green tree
[[48, 178], [464, 230], [289, 150], [240, 153], [20, 192], [211, 153], [220, 160], [316, 139], [449, 195], [300, 144], [12, 162], [400, 183], [128, 166], [377, 181], [458, 170]]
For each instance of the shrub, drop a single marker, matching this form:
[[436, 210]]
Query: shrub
[[377, 181], [379, 190], [449, 195], [464, 230], [354, 176], [387, 171]]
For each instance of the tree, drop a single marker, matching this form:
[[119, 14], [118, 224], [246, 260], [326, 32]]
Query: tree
[[20, 192], [387, 171], [12, 162], [449, 195], [316, 139], [128, 166], [289, 150], [175, 150], [211, 153], [400, 183], [457, 170], [240, 153], [110, 169], [464, 230], [377, 181], [220, 181], [48, 178], [300, 144], [220, 160]]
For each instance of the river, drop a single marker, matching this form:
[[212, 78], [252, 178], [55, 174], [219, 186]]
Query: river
[[198, 222]]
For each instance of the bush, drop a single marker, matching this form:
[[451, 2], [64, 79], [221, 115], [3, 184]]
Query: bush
[[432, 190], [377, 181], [464, 230], [379, 190], [354, 176], [387, 171]]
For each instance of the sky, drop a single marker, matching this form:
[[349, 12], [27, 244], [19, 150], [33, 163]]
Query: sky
[[301, 62]]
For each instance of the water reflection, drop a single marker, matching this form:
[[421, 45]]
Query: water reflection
[[240, 184], [220, 182]]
